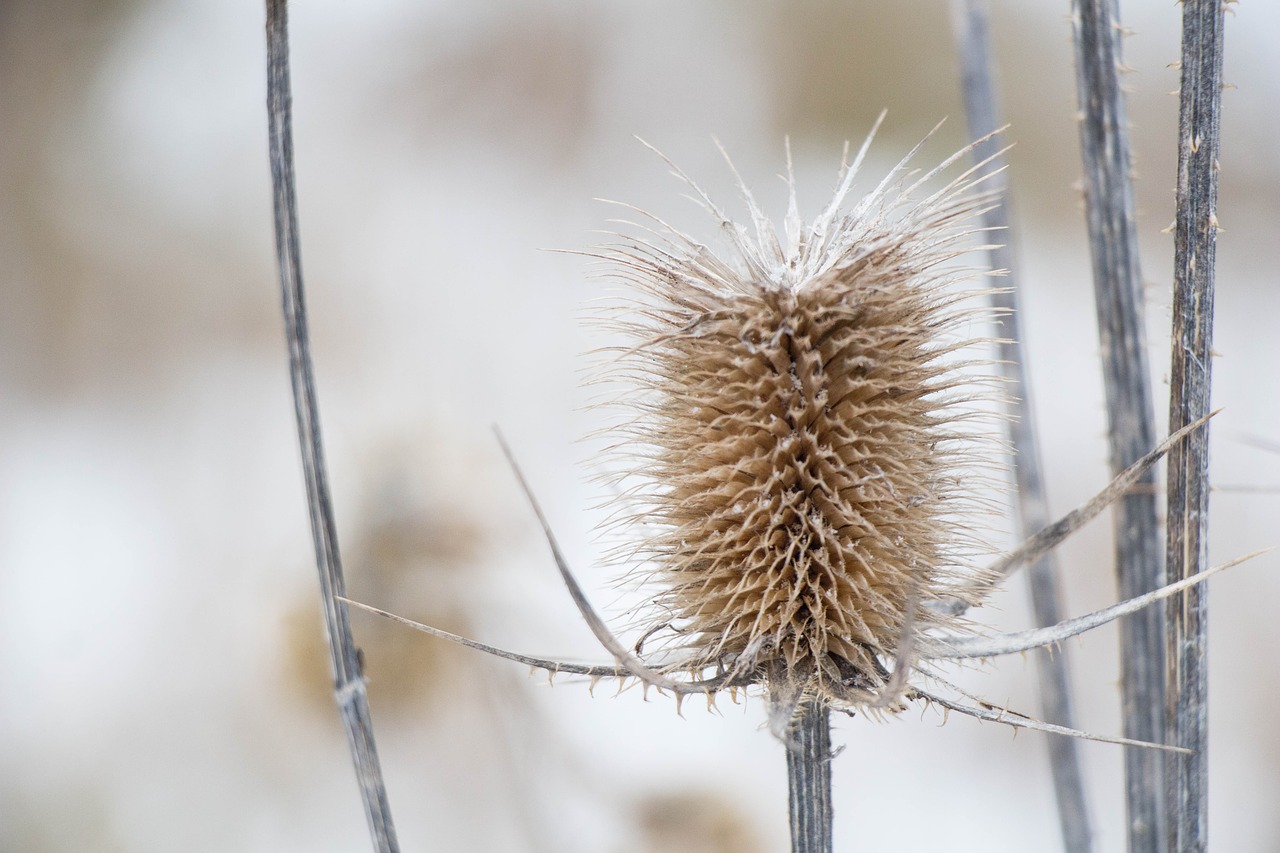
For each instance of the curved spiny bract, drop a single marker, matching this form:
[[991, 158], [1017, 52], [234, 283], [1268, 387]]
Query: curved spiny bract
[[802, 428]]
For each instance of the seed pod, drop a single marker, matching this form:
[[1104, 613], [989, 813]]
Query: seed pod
[[804, 434]]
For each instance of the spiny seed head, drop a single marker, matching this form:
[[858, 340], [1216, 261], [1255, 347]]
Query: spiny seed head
[[801, 424]]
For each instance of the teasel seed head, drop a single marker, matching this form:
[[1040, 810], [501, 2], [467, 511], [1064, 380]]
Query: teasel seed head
[[801, 429]]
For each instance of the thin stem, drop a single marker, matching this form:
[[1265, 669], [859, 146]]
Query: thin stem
[[1033, 507], [970, 646], [348, 681], [1195, 238], [809, 779], [1117, 282], [1049, 537]]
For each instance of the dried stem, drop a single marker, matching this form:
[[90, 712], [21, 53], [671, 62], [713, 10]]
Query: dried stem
[[809, 779], [1033, 509], [1189, 378], [348, 680], [1117, 281]]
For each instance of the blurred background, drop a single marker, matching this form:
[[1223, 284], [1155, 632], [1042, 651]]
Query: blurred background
[[164, 679]]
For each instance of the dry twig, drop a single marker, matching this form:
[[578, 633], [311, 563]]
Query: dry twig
[[348, 681], [982, 109], [1195, 239], [1113, 243]]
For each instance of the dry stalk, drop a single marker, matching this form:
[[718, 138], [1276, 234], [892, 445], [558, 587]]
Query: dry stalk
[[1113, 242], [982, 109], [1195, 240], [809, 780], [348, 681]]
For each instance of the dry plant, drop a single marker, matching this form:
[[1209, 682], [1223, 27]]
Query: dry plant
[[802, 435], [802, 442]]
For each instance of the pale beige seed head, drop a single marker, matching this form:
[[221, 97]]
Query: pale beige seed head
[[799, 430]]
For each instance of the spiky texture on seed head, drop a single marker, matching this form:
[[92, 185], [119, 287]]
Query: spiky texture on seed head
[[803, 437]]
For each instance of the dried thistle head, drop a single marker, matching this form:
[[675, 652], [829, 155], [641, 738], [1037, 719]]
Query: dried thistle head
[[804, 438], [800, 425]]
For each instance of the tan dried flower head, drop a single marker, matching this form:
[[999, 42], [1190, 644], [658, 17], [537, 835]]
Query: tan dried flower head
[[806, 444], [801, 424]]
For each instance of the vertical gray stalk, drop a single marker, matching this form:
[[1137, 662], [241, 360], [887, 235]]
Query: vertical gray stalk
[[809, 779], [1195, 238], [1033, 510], [349, 688], [1117, 282]]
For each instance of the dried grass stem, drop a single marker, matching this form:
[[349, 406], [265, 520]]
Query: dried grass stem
[[348, 681]]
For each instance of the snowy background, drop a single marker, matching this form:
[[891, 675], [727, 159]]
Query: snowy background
[[160, 648]]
